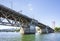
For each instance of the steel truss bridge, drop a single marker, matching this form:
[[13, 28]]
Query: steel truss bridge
[[13, 18]]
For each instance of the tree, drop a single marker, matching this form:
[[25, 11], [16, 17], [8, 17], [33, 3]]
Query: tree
[[57, 29]]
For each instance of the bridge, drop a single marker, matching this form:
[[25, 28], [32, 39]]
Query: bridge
[[27, 25]]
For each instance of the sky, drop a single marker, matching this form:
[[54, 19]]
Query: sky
[[45, 11]]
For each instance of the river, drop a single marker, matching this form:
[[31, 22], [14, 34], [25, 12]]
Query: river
[[16, 36]]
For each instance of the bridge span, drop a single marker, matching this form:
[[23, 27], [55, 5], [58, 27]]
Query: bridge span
[[27, 25]]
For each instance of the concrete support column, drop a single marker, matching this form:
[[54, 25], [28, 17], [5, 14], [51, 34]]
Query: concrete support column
[[21, 30], [32, 29], [38, 30], [46, 30]]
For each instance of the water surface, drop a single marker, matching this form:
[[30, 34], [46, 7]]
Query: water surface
[[16, 36]]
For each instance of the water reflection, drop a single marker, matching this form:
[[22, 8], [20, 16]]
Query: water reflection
[[10, 36], [30, 37], [42, 37], [47, 37], [16, 36], [39, 37]]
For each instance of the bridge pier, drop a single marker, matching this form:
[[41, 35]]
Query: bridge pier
[[32, 29], [21, 30], [44, 30], [28, 30], [38, 30], [41, 30]]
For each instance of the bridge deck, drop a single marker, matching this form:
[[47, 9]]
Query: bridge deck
[[8, 13]]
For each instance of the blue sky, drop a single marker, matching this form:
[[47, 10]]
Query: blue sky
[[45, 11]]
